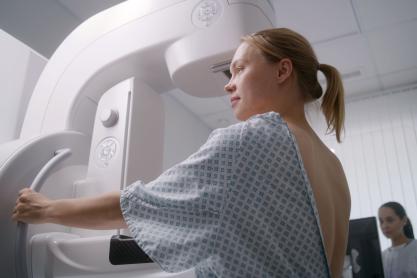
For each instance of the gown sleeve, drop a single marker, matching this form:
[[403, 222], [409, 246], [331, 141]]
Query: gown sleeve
[[175, 218]]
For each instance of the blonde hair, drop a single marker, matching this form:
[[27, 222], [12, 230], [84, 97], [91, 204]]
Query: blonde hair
[[278, 43]]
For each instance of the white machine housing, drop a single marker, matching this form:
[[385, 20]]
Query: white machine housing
[[147, 47], [165, 43]]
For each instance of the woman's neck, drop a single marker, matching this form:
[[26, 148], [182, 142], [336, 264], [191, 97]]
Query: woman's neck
[[399, 240], [291, 108], [296, 117]]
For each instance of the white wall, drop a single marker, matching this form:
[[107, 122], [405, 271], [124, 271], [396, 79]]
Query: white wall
[[185, 133], [379, 152], [19, 71]]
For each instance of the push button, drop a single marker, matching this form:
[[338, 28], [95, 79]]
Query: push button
[[109, 117]]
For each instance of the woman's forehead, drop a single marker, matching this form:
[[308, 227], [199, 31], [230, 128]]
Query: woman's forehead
[[384, 211], [245, 51]]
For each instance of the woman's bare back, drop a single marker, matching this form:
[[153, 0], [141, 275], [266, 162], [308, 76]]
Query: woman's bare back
[[331, 192]]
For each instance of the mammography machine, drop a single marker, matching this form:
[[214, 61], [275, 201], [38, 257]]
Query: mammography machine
[[95, 120]]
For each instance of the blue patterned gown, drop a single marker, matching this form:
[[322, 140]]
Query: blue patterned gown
[[241, 206]]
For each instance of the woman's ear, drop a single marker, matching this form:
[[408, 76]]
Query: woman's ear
[[284, 70]]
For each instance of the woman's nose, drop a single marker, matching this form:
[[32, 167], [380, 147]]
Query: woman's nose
[[229, 87]]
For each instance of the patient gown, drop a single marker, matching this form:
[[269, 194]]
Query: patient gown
[[241, 206]]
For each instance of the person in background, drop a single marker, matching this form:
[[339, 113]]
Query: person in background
[[399, 260], [262, 198]]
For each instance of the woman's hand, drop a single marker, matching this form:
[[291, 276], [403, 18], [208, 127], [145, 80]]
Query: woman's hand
[[101, 212], [31, 207]]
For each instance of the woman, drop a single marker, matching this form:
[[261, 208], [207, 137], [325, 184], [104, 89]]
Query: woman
[[399, 260], [261, 198]]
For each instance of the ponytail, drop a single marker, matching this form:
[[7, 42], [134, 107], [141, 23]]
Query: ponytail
[[333, 105], [408, 230]]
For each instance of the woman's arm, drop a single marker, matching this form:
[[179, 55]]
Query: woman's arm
[[102, 212]]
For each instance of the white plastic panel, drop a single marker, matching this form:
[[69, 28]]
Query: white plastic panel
[[190, 66], [108, 144], [127, 142]]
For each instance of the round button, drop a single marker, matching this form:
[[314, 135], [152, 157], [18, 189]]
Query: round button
[[109, 117]]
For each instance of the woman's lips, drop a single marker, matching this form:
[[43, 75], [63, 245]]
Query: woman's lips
[[234, 100]]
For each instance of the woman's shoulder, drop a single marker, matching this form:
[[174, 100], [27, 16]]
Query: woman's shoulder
[[413, 249], [256, 126], [413, 244], [230, 133], [268, 118], [267, 124], [385, 251]]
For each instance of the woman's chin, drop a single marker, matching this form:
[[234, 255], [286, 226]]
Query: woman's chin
[[387, 234], [240, 117], [240, 114]]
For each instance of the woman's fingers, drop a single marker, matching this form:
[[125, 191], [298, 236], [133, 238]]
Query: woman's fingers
[[24, 190], [30, 206]]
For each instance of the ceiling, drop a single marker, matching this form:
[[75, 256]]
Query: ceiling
[[372, 42]]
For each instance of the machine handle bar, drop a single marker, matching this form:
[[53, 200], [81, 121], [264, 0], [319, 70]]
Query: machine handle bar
[[22, 228]]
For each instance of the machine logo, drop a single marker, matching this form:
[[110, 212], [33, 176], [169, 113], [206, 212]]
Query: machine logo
[[206, 13], [106, 151]]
